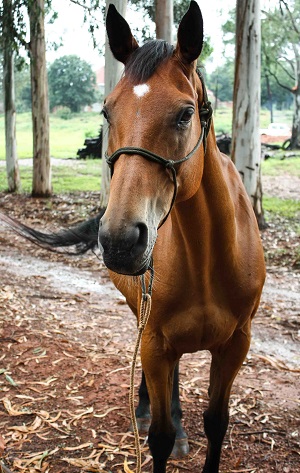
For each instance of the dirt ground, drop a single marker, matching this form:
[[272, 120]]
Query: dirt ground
[[67, 340]]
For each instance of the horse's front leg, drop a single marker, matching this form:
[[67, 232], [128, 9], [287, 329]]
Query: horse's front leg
[[181, 446], [143, 415], [159, 370], [225, 365], [142, 412]]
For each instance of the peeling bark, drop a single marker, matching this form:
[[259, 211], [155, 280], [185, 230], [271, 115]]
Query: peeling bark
[[246, 147], [41, 180], [12, 167]]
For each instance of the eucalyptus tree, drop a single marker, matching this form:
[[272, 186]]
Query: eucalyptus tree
[[41, 178], [13, 31], [12, 167], [246, 150]]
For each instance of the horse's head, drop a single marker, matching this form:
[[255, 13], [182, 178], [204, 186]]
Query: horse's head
[[154, 128]]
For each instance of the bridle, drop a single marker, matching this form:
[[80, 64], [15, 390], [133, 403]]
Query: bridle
[[205, 115]]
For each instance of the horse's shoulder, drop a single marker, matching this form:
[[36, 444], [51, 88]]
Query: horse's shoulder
[[231, 175]]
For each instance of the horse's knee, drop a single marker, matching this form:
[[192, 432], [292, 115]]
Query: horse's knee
[[161, 444]]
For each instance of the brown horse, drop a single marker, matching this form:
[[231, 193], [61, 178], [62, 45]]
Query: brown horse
[[178, 204], [176, 200]]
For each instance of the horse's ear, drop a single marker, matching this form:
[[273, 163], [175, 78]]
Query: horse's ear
[[190, 34], [120, 38]]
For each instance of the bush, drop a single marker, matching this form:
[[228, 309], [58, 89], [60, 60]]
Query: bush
[[64, 113]]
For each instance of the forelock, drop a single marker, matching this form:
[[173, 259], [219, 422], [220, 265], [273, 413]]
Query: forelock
[[144, 61]]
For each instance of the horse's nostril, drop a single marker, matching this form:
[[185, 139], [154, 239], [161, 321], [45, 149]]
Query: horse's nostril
[[132, 239], [142, 240]]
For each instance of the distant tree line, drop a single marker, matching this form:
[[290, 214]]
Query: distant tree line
[[71, 81], [220, 82]]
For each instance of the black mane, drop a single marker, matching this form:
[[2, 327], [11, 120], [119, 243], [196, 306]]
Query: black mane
[[144, 61]]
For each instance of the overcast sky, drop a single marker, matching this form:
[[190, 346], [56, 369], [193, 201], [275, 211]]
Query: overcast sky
[[76, 38]]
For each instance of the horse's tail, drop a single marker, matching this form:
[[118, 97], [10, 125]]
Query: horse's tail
[[83, 236]]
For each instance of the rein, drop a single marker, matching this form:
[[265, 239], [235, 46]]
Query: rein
[[145, 309], [205, 115]]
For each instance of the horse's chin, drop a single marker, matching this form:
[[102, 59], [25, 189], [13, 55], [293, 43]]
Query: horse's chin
[[129, 269]]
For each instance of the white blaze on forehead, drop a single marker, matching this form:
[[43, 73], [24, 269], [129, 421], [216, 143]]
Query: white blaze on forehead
[[141, 90]]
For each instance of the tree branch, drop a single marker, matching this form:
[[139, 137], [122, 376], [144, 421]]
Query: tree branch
[[291, 16], [279, 63], [279, 83]]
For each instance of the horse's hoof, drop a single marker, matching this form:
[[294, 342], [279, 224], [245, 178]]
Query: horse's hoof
[[181, 448], [143, 424]]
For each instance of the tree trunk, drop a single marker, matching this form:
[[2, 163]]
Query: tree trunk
[[246, 147], [270, 98], [12, 168], [295, 139], [164, 20], [113, 72], [41, 181]]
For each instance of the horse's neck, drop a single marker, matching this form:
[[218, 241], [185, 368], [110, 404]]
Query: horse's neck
[[210, 212]]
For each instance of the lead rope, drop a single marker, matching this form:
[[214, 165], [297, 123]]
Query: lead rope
[[145, 309]]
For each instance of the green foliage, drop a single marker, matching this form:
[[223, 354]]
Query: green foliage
[[23, 89], [281, 52], [221, 80], [206, 50], [282, 98], [71, 83], [64, 113]]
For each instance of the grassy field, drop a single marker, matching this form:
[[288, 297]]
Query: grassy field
[[66, 136], [71, 177]]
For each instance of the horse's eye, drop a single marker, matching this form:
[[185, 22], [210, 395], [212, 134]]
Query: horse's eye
[[185, 117], [105, 114]]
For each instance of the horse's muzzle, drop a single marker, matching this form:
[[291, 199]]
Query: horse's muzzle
[[125, 249]]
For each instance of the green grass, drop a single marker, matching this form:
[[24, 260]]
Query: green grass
[[287, 208], [66, 136], [223, 119], [277, 167], [81, 176]]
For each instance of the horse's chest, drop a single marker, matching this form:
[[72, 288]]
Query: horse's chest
[[199, 328]]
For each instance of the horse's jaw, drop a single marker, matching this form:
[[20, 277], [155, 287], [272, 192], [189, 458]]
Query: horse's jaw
[[124, 268]]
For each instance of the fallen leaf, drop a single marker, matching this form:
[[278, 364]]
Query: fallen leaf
[[2, 445]]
